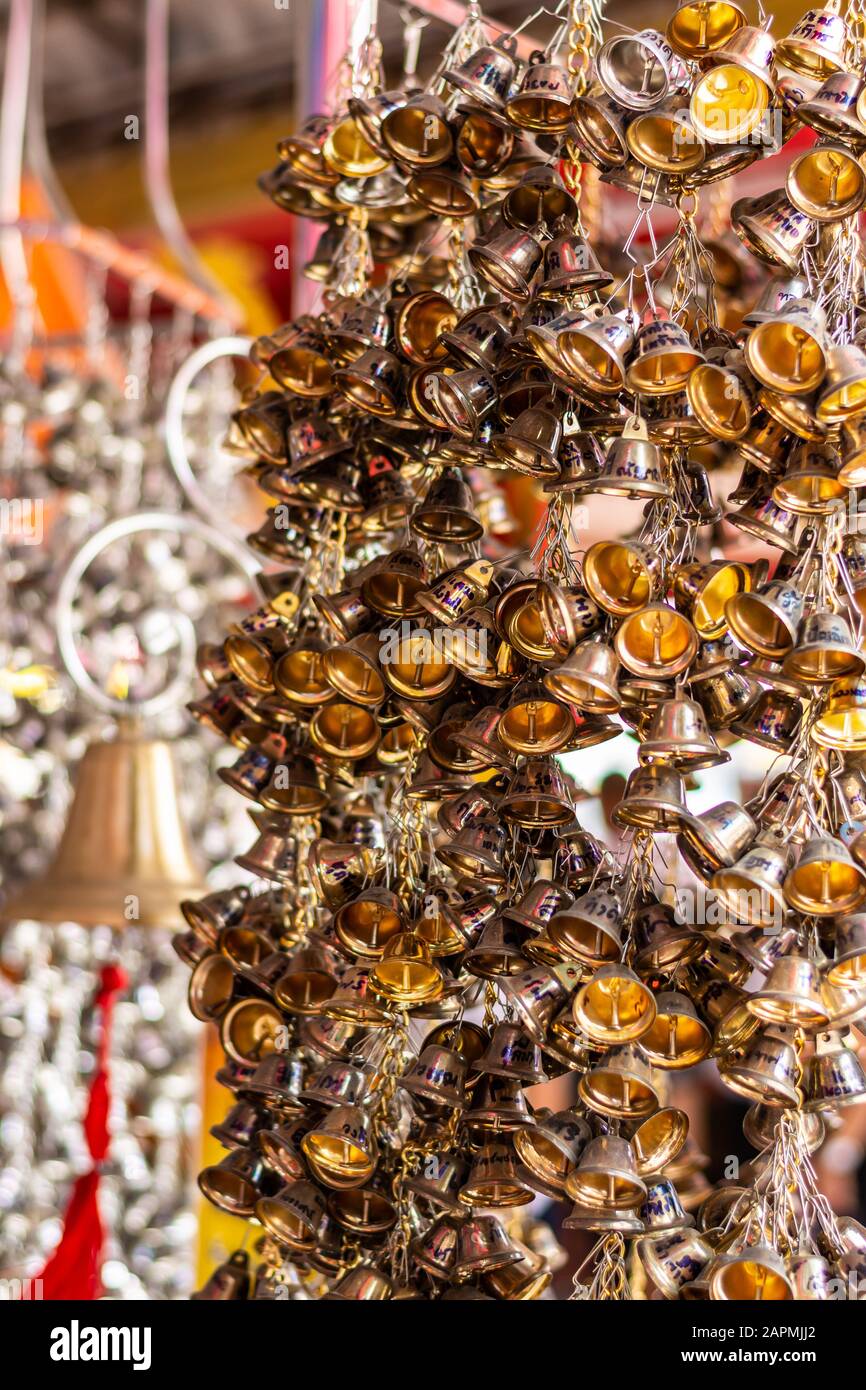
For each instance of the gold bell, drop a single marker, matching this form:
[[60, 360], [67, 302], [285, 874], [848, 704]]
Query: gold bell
[[344, 730], [494, 1179], [825, 650], [721, 394], [766, 621], [678, 735], [464, 399], [534, 723], [677, 1037], [791, 995], [531, 443], [418, 323], [654, 799], [124, 858], [675, 1260], [827, 182], [621, 1085], [702, 590], [834, 108], [729, 101], [341, 1148], [588, 678], [508, 261], [374, 382], [308, 982], [607, 1175], [817, 44], [406, 974], [810, 485], [751, 888], [536, 995], [487, 74], [392, 586], [551, 1148], [633, 465], [786, 353], [417, 132], [590, 930], [543, 100], [658, 1140], [600, 125], [615, 1006], [350, 154], [447, 513], [836, 1076], [848, 967], [622, 576], [698, 27], [233, 1183], [772, 228], [768, 1071], [665, 139], [657, 641], [538, 795], [843, 393], [826, 879], [662, 358], [594, 351], [754, 1274]]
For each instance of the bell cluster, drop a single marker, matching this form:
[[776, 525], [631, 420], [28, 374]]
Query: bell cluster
[[436, 932]]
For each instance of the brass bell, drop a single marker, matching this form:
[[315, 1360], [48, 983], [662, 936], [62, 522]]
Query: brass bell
[[721, 394], [835, 1076], [124, 857], [438, 1074], [478, 338], [675, 1260], [543, 99], [482, 1246], [658, 1140], [534, 723], [772, 228], [374, 382], [307, 984], [594, 352], [662, 1209], [638, 70], [790, 995], [367, 923], [600, 126], [523, 1281], [406, 973], [827, 182], [553, 1145], [843, 393], [615, 1006], [729, 101], [353, 670], [665, 139], [233, 1183], [622, 576], [848, 967], [464, 399], [654, 799], [349, 153], [721, 834], [702, 591], [571, 265], [656, 641], [754, 1274], [539, 903], [767, 1072], [588, 678], [620, 1085], [344, 730], [393, 585], [842, 722], [530, 444], [834, 108], [354, 1001], [825, 650], [826, 879], [590, 930], [418, 323], [494, 1179], [766, 620], [417, 132], [508, 262], [606, 1175], [341, 1148], [436, 1250], [498, 1107], [678, 735], [632, 465], [567, 614], [294, 1215], [662, 358], [751, 888], [810, 485], [536, 994], [301, 366], [476, 852], [579, 463], [698, 27], [538, 795], [817, 44], [786, 353], [661, 941], [676, 1037], [771, 721], [512, 1054], [487, 74], [337, 1083], [447, 514]]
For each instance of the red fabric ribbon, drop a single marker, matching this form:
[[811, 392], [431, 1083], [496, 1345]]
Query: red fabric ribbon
[[73, 1269]]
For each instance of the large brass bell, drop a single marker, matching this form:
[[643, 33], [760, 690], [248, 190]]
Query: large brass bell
[[615, 1006]]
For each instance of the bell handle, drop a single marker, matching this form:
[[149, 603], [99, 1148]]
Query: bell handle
[[116, 530], [175, 443]]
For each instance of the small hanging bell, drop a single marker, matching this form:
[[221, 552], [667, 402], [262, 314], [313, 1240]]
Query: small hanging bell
[[615, 1006]]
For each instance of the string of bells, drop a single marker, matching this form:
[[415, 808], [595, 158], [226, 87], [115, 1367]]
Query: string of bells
[[436, 932]]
